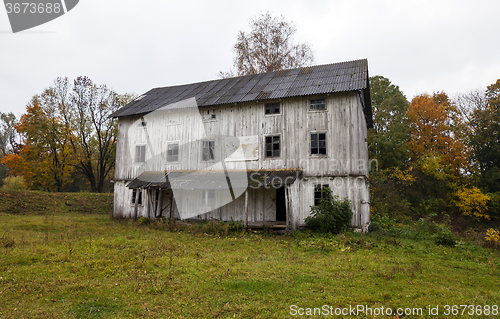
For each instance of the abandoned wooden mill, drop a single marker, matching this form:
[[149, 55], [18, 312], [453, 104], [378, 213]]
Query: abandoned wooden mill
[[256, 148]]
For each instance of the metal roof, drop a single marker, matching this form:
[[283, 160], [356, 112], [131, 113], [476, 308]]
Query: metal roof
[[204, 179], [312, 80]]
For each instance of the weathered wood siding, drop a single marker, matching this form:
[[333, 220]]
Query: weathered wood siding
[[343, 122]]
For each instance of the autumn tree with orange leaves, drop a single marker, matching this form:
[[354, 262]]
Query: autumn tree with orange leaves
[[68, 134], [45, 158], [435, 131]]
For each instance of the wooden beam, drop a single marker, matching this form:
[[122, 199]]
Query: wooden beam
[[136, 202], [287, 208], [158, 212], [172, 203], [245, 222]]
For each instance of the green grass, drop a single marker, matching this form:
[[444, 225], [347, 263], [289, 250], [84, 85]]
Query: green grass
[[79, 263]]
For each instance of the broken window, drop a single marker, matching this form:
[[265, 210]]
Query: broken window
[[272, 108], [273, 146], [319, 193], [319, 104], [134, 195]]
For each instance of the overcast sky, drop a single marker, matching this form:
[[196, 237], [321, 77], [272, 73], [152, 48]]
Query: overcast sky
[[133, 46]]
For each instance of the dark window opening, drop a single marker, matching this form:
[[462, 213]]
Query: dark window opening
[[318, 104], [319, 193], [318, 143], [272, 108], [273, 146], [134, 194], [208, 150]]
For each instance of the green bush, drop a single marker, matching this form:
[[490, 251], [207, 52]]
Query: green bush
[[331, 215], [13, 183], [445, 238]]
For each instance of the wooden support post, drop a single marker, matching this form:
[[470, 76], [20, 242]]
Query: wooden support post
[[136, 202], [160, 204], [206, 204], [172, 203], [287, 208], [245, 222]]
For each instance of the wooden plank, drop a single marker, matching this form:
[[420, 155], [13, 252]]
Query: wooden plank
[[136, 205], [246, 209], [160, 204]]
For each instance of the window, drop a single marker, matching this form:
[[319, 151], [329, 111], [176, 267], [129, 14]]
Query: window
[[272, 108], [134, 194], [210, 115], [140, 153], [318, 104], [318, 143], [319, 193], [173, 152], [209, 197], [208, 150], [273, 146]]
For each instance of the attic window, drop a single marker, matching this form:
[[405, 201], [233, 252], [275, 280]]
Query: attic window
[[319, 104], [272, 108], [210, 115]]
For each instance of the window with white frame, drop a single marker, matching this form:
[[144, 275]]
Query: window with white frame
[[317, 105], [173, 152], [140, 153]]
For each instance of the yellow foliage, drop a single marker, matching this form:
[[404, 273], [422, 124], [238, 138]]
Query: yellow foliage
[[492, 235], [403, 177], [471, 202]]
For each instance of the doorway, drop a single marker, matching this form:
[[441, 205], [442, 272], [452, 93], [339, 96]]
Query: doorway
[[280, 204]]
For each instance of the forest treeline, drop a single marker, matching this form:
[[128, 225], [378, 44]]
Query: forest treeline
[[65, 140], [435, 154]]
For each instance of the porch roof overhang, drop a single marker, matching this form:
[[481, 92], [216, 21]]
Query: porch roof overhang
[[215, 179]]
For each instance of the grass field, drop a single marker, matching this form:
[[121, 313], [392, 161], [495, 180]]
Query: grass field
[[62, 256]]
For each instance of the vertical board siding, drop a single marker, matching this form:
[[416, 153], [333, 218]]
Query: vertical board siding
[[343, 122]]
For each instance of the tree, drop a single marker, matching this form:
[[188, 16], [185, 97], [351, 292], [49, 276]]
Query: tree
[[268, 47], [434, 124], [8, 137], [45, 156], [95, 130], [68, 129], [387, 140], [7, 133], [485, 139]]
